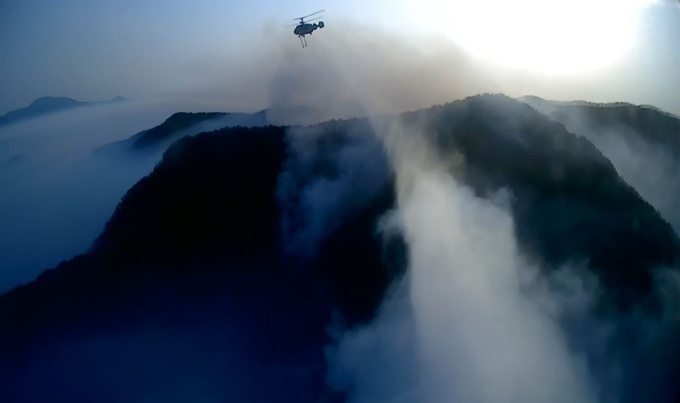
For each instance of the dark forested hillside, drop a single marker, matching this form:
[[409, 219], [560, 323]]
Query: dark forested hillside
[[655, 126], [219, 274], [192, 250], [183, 124], [642, 142], [178, 121], [569, 201]]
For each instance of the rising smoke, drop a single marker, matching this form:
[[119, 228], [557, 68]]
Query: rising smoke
[[473, 321], [475, 337], [326, 180]]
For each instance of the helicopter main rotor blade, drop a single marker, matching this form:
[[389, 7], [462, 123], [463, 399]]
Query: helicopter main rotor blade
[[320, 11], [300, 23]]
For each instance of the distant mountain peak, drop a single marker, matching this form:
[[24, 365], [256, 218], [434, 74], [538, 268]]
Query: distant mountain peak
[[534, 98], [47, 104], [51, 100], [187, 115]]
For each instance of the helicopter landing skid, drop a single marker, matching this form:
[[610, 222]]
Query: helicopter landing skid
[[303, 41]]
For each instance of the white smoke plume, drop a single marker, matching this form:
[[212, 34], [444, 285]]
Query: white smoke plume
[[324, 182], [473, 321]]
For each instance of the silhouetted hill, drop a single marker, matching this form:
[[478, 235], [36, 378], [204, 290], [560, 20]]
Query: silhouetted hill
[[41, 106], [200, 234], [231, 259], [642, 142], [654, 125], [45, 105], [563, 186], [186, 124], [173, 125]]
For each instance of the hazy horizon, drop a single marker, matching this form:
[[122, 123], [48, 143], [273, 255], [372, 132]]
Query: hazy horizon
[[230, 52]]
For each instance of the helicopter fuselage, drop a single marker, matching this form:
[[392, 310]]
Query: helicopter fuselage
[[307, 28]]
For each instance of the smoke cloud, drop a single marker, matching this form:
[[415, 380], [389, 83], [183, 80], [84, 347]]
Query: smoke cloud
[[473, 321], [352, 70]]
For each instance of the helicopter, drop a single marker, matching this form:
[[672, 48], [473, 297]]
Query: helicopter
[[305, 28]]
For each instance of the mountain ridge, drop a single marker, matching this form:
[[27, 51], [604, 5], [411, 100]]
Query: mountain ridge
[[169, 154], [642, 142], [578, 102], [181, 124], [653, 124], [211, 237], [48, 104]]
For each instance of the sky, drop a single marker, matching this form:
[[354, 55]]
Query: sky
[[92, 50]]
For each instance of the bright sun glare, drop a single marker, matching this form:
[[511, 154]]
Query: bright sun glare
[[546, 36]]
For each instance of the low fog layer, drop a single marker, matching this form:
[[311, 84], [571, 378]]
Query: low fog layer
[[57, 195]]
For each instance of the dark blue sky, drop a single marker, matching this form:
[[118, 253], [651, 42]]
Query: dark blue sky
[[96, 49]]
